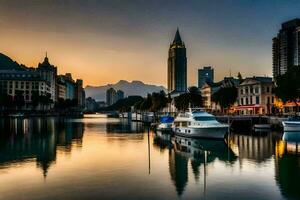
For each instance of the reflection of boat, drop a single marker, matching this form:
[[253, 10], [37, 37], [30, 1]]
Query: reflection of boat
[[165, 124], [292, 124], [291, 137], [197, 123], [194, 148]]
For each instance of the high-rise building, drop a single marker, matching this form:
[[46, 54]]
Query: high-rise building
[[286, 47], [111, 96], [120, 94], [206, 74], [177, 65]]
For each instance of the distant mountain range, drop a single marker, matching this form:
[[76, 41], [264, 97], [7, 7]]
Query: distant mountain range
[[129, 88]]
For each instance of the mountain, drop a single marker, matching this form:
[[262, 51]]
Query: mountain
[[6, 63], [129, 88]]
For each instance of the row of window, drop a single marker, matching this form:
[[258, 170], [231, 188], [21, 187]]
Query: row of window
[[249, 100], [255, 90]]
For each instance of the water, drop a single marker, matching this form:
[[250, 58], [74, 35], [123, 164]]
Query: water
[[101, 158]]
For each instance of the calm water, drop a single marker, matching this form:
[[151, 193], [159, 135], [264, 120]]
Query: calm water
[[100, 158]]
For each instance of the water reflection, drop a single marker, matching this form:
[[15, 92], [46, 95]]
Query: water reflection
[[288, 165], [119, 153], [37, 139]]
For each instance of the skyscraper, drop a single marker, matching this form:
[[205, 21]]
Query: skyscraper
[[177, 66], [206, 74], [286, 47], [111, 96]]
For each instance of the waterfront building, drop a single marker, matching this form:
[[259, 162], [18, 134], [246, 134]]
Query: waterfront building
[[209, 88], [177, 66], [255, 96], [286, 47], [111, 96], [61, 88], [120, 95], [20, 81], [49, 73], [24, 83], [206, 74]]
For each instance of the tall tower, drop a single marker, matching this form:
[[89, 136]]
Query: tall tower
[[177, 66], [286, 47]]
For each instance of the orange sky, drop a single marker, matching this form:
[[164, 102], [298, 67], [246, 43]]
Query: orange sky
[[103, 42]]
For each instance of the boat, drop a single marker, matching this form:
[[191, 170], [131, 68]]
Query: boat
[[292, 124], [197, 123], [165, 124]]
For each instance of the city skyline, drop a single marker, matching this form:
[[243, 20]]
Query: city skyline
[[93, 39]]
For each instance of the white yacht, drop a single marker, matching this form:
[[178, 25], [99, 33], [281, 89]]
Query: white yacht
[[198, 123], [292, 124]]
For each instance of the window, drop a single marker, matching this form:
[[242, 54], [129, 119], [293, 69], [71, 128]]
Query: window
[[242, 101], [268, 89], [251, 100], [256, 90], [242, 90], [204, 118], [257, 99], [246, 90], [268, 100], [247, 101]]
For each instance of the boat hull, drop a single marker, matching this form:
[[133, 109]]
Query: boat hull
[[207, 133], [291, 126]]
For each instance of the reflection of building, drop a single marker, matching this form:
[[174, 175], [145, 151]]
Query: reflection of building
[[37, 138], [255, 96], [177, 66], [287, 169], [286, 47], [200, 153], [178, 168], [257, 148], [206, 74], [111, 96]]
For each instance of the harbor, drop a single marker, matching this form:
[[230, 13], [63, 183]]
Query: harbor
[[142, 162]]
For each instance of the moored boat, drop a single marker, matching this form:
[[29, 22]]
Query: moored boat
[[199, 124], [292, 124], [165, 124]]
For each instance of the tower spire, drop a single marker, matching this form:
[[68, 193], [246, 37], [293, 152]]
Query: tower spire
[[177, 38]]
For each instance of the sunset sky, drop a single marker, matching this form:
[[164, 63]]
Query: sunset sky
[[105, 41]]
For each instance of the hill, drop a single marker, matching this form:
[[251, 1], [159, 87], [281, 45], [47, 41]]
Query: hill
[[129, 88]]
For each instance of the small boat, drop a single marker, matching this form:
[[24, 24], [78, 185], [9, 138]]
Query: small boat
[[292, 124], [197, 123], [165, 124]]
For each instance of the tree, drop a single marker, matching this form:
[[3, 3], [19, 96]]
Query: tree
[[288, 86], [192, 98], [225, 96], [159, 101]]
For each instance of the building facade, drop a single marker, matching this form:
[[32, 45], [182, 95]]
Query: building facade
[[48, 73], [255, 96], [23, 83], [177, 66], [209, 88], [35, 85], [286, 47], [111, 96], [120, 95], [206, 74]]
